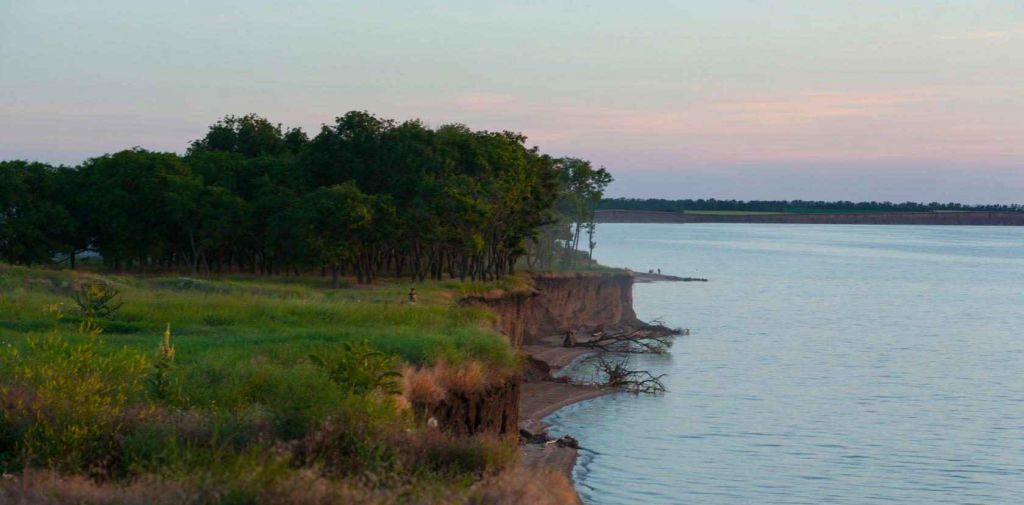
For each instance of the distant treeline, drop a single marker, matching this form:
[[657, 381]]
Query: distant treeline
[[365, 195], [793, 206]]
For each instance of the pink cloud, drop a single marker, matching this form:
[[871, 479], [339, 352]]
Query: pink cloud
[[988, 34], [907, 125]]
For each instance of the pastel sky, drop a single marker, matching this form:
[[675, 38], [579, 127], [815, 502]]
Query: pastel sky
[[816, 99]]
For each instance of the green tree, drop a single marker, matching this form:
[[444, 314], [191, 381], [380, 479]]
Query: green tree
[[367, 195], [325, 223], [35, 226], [250, 136], [134, 200], [582, 188]]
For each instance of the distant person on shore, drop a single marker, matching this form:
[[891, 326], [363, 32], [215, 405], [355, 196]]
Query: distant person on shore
[[659, 271], [412, 295]]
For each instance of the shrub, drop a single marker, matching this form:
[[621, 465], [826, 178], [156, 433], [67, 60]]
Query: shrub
[[162, 384], [68, 400], [361, 369], [450, 455], [355, 441], [96, 298]]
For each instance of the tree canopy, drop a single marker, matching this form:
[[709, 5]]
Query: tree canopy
[[365, 195]]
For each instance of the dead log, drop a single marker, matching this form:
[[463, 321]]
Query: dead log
[[616, 372], [653, 339]]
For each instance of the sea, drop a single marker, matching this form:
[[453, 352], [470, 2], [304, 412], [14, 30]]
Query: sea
[[826, 364]]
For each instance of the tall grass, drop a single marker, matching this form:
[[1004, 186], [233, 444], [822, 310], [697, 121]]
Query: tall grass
[[259, 381], [239, 318]]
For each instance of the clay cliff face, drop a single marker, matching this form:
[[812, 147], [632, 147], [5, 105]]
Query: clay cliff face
[[493, 411], [559, 302], [556, 303]]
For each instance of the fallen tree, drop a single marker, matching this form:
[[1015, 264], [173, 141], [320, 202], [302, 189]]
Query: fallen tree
[[647, 339], [616, 372]]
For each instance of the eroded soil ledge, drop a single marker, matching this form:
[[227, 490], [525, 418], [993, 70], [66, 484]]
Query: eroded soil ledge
[[535, 321], [559, 302]]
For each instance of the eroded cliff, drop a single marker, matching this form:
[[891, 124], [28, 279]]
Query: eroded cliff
[[558, 302], [554, 304]]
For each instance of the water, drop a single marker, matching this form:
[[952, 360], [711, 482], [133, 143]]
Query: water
[[826, 364]]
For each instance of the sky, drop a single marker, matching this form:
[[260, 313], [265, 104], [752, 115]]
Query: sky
[[750, 99]]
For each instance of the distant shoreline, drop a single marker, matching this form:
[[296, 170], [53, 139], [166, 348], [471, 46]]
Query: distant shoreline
[[971, 218]]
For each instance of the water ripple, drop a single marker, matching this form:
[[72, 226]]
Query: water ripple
[[827, 364]]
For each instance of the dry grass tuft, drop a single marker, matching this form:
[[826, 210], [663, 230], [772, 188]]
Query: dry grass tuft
[[470, 377], [305, 487], [42, 487], [430, 385], [514, 486], [524, 485], [424, 385], [453, 455]]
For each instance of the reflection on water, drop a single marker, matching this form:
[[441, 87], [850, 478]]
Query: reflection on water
[[827, 364]]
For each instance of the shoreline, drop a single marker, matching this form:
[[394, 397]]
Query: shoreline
[[544, 391], [644, 278], [540, 399], [535, 322], [964, 218]]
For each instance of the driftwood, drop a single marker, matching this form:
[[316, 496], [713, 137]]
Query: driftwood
[[641, 277], [616, 372], [649, 338], [611, 365]]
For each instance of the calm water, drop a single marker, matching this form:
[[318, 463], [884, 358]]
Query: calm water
[[827, 364]]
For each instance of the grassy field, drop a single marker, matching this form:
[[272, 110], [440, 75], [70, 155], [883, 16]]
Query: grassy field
[[267, 387], [281, 319]]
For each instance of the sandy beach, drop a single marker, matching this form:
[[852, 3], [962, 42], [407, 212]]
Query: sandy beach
[[542, 398]]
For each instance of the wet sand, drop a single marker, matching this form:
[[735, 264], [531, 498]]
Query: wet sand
[[538, 400]]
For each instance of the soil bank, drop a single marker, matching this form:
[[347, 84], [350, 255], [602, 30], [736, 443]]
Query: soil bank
[[536, 321]]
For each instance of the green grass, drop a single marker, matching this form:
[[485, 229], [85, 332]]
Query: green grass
[[242, 344], [241, 385], [283, 320]]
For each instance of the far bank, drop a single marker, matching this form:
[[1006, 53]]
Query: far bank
[[879, 218]]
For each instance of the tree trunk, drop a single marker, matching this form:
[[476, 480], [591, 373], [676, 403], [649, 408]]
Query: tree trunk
[[195, 253]]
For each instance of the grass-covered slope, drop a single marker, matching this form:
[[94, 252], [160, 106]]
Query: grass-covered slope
[[270, 391]]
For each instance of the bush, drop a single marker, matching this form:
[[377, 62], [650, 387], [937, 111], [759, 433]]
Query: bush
[[361, 370], [355, 441], [96, 298], [449, 455], [163, 385], [68, 400]]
